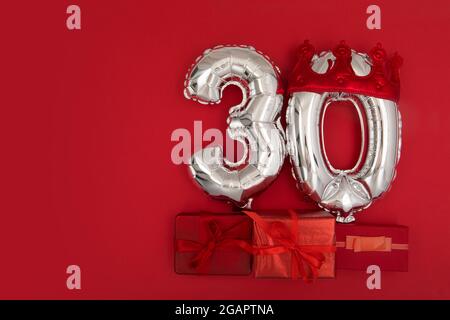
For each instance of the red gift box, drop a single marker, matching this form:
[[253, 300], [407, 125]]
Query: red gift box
[[291, 245], [214, 244], [362, 245]]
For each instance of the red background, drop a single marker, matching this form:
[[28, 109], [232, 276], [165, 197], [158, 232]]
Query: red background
[[86, 120]]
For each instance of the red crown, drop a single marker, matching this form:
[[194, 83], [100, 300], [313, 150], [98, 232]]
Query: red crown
[[383, 80]]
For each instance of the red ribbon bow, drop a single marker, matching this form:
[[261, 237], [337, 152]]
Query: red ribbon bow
[[218, 238], [306, 259]]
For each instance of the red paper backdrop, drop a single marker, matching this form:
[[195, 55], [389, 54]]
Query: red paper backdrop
[[86, 123]]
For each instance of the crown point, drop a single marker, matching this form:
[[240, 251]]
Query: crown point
[[395, 63], [342, 50], [306, 50], [396, 60], [378, 54]]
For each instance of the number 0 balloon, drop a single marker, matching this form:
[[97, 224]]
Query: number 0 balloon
[[371, 84], [254, 122]]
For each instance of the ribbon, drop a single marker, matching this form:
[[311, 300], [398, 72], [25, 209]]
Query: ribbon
[[370, 244], [306, 259], [218, 238]]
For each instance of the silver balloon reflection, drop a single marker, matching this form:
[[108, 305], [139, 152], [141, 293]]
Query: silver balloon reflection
[[343, 192], [255, 122]]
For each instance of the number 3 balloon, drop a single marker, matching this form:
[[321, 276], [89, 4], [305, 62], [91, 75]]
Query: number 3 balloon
[[254, 122], [370, 83]]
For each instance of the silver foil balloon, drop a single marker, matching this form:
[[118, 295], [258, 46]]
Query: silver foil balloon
[[343, 192], [255, 122]]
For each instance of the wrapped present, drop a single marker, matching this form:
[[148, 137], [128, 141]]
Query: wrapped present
[[292, 245], [214, 244], [362, 245]]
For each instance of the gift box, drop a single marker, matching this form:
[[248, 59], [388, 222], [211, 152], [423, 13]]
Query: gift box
[[292, 245], [362, 245], [213, 244]]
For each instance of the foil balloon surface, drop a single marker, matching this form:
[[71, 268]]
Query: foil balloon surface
[[255, 122], [344, 75]]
